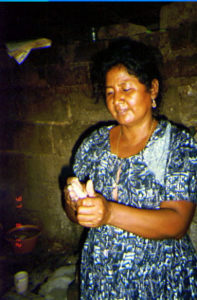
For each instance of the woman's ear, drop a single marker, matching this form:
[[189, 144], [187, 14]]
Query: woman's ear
[[154, 88]]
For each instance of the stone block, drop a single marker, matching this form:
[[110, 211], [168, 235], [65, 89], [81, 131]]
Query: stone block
[[179, 101], [118, 30], [44, 106], [35, 105], [183, 37], [84, 51], [150, 38], [181, 66], [11, 99], [12, 171], [77, 74], [170, 105], [175, 14], [30, 77], [188, 103], [26, 138], [86, 110], [45, 169], [70, 74], [65, 138], [164, 46]]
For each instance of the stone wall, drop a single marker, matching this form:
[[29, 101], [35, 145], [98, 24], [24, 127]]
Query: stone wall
[[178, 45], [47, 106]]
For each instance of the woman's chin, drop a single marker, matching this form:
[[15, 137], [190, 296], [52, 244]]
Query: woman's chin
[[125, 120]]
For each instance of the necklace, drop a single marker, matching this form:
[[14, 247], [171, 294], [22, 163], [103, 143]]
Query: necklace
[[115, 185], [150, 132]]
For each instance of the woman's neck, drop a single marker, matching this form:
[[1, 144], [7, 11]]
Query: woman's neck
[[128, 141], [138, 132]]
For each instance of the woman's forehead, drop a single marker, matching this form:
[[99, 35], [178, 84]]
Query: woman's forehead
[[119, 73]]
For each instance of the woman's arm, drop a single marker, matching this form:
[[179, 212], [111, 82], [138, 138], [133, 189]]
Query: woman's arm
[[172, 220]]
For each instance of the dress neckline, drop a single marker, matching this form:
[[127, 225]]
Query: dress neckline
[[140, 153]]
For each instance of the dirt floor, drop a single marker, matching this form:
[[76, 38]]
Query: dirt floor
[[40, 264]]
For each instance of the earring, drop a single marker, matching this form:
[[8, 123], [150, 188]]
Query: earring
[[154, 104]]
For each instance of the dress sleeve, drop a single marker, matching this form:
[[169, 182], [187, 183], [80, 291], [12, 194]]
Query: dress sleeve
[[82, 161], [181, 171], [85, 156]]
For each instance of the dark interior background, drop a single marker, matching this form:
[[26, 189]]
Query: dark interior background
[[72, 20]]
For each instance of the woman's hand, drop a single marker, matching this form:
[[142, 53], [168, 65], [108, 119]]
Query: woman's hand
[[93, 211], [75, 191]]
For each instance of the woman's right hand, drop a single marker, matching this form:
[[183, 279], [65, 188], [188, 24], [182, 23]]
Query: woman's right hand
[[74, 191]]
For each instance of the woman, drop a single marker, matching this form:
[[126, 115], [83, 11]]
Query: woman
[[144, 191]]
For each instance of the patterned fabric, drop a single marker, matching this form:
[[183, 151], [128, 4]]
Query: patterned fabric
[[117, 264]]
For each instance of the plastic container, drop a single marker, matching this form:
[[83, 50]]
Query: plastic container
[[23, 238], [21, 282]]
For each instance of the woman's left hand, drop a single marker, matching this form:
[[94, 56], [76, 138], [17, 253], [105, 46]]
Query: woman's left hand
[[93, 211]]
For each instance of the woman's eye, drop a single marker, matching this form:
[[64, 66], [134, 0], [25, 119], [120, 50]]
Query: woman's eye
[[127, 90], [109, 93]]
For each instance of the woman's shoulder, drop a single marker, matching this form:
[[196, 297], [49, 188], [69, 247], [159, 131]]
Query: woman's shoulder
[[99, 134], [98, 137], [179, 133], [182, 145], [176, 140]]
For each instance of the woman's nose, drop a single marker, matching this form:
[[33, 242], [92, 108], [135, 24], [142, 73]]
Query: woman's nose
[[118, 96]]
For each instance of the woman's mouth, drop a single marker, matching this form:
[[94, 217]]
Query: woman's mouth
[[122, 111]]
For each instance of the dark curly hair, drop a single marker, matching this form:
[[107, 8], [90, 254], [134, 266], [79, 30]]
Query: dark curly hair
[[139, 59]]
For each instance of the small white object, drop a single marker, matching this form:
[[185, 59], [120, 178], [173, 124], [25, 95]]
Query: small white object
[[93, 34], [90, 188], [21, 282], [76, 190]]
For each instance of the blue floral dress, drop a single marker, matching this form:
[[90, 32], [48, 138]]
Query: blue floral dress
[[117, 264]]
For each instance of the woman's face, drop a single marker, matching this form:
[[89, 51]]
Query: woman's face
[[127, 99]]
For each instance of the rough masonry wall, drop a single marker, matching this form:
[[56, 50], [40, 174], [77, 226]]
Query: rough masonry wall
[[47, 105], [179, 47]]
